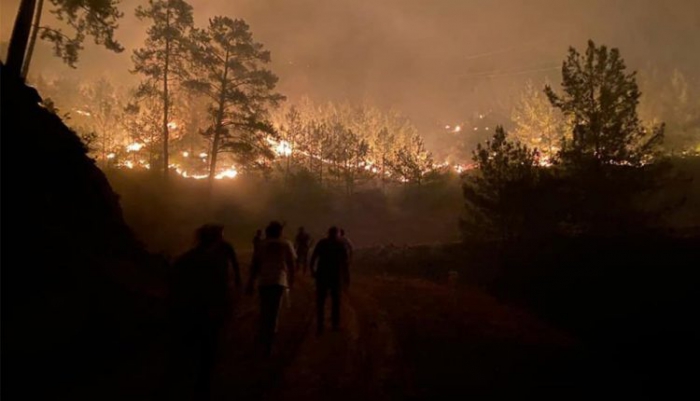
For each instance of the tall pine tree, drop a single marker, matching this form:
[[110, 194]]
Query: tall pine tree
[[241, 89], [600, 98], [164, 58]]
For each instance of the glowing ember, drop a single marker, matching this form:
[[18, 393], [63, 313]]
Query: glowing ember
[[447, 127], [283, 148], [172, 125], [83, 113], [134, 147], [111, 156], [185, 174], [457, 128], [203, 155], [185, 154], [228, 173]]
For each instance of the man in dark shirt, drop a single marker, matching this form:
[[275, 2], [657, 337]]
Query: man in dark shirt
[[200, 300], [331, 255]]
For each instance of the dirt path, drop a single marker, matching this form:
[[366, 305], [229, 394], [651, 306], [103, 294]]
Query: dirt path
[[400, 339]]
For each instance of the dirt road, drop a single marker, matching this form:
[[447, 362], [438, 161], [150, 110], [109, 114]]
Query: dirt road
[[400, 339]]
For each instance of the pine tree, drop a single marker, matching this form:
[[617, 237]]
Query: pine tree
[[537, 124], [165, 57], [241, 90], [95, 18], [496, 194], [411, 161], [600, 99]]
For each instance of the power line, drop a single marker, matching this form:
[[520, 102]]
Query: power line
[[518, 71]]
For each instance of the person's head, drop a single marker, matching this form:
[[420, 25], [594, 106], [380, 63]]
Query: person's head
[[342, 232], [209, 234], [274, 230], [333, 232]]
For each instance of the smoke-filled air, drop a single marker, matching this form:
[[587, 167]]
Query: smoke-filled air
[[349, 199]]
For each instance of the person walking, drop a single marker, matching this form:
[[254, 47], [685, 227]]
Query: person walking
[[199, 300], [327, 261], [273, 268]]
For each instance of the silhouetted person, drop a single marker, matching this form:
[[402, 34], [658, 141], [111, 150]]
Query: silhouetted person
[[302, 243], [331, 255], [273, 267], [199, 302]]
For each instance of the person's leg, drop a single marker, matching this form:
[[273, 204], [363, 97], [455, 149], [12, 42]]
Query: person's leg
[[320, 305], [265, 313], [275, 301], [335, 298]]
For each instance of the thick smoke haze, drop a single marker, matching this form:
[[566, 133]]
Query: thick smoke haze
[[436, 61]]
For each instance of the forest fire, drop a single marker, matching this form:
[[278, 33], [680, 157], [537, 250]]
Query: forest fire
[[230, 172], [283, 148], [493, 204], [134, 147]]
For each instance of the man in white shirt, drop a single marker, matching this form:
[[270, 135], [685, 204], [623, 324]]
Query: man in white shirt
[[273, 268]]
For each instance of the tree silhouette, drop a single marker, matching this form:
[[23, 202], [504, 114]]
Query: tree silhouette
[[496, 195], [102, 110], [96, 18], [241, 89], [600, 98], [165, 57], [411, 161]]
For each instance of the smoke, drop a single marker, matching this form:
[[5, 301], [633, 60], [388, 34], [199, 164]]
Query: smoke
[[436, 61]]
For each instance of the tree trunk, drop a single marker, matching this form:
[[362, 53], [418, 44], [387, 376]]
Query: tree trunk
[[218, 126], [32, 39], [383, 172], [166, 100], [214, 154], [20, 37]]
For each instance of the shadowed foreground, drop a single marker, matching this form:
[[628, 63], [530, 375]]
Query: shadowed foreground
[[400, 339]]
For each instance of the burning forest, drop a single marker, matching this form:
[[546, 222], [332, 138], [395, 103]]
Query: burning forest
[[349, 199]]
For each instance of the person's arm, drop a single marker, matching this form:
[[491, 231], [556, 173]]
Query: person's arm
[[312, 262], [291, 258]]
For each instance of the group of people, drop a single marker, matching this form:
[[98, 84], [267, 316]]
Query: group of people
[[276, 261], [200, 298]]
